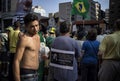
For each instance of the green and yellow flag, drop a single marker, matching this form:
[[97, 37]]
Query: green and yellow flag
[[80, 7]]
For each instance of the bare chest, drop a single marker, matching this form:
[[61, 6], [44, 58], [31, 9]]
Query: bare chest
[[33, 44]]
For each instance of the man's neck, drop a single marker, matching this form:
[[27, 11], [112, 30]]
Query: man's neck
[[30, 35], [65, 34], [17, 29]]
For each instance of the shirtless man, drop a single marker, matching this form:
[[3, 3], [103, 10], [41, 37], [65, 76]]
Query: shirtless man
[[26, 61]]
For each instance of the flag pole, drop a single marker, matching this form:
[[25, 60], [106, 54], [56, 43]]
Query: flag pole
[[83, 21]]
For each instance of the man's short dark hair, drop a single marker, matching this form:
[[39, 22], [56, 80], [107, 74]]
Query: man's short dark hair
[[30, 17], [64, 27], [17, 24], [92, 34]]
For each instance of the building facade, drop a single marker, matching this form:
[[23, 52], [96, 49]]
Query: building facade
[[65, 11], [107, 15], [6, 12], [114, 11], [97, 10], [93, 14], [10, 10]]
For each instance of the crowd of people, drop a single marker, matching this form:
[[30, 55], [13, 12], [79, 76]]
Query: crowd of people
[[37, 54]]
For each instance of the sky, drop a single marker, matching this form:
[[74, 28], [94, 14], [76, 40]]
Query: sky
[[52, 6]]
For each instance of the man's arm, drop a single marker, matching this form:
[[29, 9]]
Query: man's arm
[[102, 49], [0, 44], [18, 56]]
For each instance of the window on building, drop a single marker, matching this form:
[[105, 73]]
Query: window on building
[[9, 5], [3, 5], [6, 5], [118, 6], [118, 11], [0, 5], [111, 12]]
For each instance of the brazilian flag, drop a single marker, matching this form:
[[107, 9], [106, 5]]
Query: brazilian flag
[[80, 7]]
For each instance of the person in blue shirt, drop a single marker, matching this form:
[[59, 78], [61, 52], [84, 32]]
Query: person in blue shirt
[[89, 59]]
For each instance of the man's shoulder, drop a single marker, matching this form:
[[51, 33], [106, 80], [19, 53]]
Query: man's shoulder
[[110, 35], [23, 36]]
